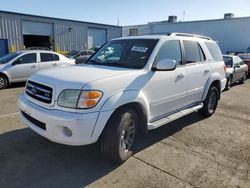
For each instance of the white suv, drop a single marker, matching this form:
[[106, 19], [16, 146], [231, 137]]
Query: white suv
[[130, 85]]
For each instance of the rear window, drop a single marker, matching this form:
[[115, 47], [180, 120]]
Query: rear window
[[228, 61], [214, 51], [46, 57]]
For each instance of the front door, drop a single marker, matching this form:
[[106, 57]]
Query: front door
[[24, 67], [167, 89]]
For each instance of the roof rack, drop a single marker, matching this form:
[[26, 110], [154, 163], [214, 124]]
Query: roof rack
[[189, 35]]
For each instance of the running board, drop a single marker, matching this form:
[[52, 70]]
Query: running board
[[173, 117]]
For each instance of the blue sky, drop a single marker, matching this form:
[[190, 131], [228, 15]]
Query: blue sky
[[129, 12]]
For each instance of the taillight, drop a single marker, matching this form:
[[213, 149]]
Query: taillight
[[225, 69]]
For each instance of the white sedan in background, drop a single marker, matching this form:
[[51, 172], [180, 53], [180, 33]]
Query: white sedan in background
[[20, 65]]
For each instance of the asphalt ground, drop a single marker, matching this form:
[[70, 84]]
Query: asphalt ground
[[190, 152]]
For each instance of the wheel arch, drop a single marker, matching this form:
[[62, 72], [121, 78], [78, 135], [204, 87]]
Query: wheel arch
[[120, 101], [214, 80]]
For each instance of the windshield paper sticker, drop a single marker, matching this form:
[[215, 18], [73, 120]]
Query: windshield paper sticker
[[139, 49]]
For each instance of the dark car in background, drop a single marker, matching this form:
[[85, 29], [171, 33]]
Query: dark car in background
[[246, 58]]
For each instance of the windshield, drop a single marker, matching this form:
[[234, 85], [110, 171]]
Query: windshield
[[5, 59], [127, 53], [228, 61]]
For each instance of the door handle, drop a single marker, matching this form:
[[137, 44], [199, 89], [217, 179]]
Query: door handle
[[33, 66], [182, 75], [54, 64], [207, 71]]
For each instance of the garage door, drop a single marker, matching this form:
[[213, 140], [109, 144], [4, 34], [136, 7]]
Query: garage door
[[37, 28], [96, 37]]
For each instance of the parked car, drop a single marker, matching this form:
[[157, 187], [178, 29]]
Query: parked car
[[236, 70], [72, 53], [246, 58], [80, 54], [143, 84], [95, 48], [18, 66]]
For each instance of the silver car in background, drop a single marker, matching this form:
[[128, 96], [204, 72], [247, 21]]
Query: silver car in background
[[236, 71], [20, 65]]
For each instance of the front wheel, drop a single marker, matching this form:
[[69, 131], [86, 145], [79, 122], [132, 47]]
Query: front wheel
[[3, 82], [211, 102], [118, 137]]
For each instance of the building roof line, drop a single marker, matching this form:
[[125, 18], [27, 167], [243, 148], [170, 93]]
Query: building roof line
[[61, 19], [183, 22]]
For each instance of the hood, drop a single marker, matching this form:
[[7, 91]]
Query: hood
[[3, 67], [77, 76]]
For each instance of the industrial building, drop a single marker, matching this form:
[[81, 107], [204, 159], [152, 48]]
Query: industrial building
[[19, 31], [232, 34]]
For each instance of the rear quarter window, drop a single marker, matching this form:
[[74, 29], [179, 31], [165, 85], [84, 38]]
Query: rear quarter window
[[214, 50]]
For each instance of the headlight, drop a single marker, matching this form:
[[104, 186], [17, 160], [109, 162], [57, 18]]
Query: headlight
[[79, 99]]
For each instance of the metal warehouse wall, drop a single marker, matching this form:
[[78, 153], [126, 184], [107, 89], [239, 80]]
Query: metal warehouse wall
[[11, 29], [232, 34]]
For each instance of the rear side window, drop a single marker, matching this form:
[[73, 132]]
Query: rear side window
[[193, 52], [46, 57], [170, 50], [214, 51]]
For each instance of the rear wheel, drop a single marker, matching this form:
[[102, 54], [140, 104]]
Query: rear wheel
[[211, 102], [119, 134], [243, 80], [3, 82]]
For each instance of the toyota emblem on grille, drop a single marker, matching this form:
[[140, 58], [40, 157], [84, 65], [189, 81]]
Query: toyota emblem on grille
[[34, 90]]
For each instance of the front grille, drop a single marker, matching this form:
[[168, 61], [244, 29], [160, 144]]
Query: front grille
[[34, 121], [39, 92]]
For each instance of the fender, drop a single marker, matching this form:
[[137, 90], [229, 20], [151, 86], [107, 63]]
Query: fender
[[114, 102], [213, 77]]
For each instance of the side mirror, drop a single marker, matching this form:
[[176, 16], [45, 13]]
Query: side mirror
[[237, 66], [165, 65]]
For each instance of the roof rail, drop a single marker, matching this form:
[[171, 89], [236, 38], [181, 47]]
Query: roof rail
[[190, 35]]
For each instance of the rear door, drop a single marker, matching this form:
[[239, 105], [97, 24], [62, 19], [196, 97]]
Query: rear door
[[48, 60], [197, 69], [24, 67]]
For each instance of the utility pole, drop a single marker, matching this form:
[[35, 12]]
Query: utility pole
[[184, 14]]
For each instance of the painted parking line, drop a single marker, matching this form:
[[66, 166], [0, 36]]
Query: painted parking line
[[7, 115]]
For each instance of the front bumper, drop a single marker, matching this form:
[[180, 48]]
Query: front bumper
[[81, 125]]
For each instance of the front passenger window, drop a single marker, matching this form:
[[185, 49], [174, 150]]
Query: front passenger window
[[28, 58], [170, 50]]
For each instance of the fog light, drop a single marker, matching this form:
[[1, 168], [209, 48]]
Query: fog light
[[67, 132]]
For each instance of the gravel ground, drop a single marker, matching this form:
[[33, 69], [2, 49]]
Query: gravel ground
[[190, 152]]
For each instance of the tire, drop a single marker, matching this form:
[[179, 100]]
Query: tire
[[229, 83], [210, 103], [243, 80], [3, 82], [118, 136]]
